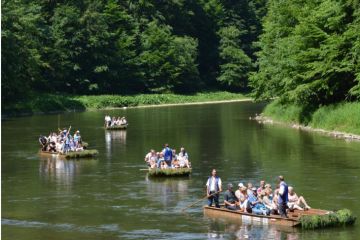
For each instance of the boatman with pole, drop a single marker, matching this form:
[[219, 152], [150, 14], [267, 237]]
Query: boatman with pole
[[167, 151], [213, 188], [283, 197]]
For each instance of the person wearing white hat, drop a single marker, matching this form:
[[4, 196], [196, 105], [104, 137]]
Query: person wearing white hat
[[238, 192], [242, 196]]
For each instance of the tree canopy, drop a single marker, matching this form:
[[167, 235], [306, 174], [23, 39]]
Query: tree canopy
[[118, 47], [309, 52], [304, 52]]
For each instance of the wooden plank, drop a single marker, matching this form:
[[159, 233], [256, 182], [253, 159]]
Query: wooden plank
[[250, 218]]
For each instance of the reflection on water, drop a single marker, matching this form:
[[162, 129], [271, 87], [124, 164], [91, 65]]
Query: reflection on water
[[167, 191], [221, 229], [111, 191], [62, 172], [114, 137]]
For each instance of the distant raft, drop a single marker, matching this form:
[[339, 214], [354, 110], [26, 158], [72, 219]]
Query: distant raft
[[71, 155], [309, 219], [117, 127], [169, 172]]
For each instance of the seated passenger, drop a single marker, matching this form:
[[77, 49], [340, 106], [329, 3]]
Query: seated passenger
[[175, 161], [77, 138], [118, 121], [274, 203], [113, 121], [184, 158], [72, 146], [230, 200], [160, 159], [255, 206], [123, 121], [241, 195], [53, 138], [148, 156], [262, 187], [267, 198], [163, 165], [153, 159], [43, 142], [59, 146], [296, 202], [79, 148], [249, 187]]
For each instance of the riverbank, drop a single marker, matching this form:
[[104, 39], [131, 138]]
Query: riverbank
[[51, 103], [339, 121]]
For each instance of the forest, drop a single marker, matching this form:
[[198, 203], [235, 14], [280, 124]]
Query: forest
[[126, 47], [300, 52]]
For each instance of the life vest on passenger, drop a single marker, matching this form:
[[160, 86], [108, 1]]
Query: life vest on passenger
[[210, 179], [284, 197], [168, 154]]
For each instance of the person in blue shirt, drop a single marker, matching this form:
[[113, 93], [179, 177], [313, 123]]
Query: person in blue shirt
[[77, 138], [167, 152], [283, 197], [255, 205], [160, 159]]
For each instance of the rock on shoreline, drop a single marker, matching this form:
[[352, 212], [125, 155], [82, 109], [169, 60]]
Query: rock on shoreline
[[336, 134]]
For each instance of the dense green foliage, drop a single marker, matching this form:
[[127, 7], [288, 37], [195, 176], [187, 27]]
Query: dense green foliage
[[310, 53], [344, 117], [56, 103], [341, 117], [306, 53], [169, 172], [117, 47], [82, 154], [341, 217]]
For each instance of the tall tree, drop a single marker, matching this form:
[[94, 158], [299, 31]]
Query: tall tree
[[306, 52], [235, 64]]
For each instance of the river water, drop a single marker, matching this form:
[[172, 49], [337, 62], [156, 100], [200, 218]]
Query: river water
[[110, 198]]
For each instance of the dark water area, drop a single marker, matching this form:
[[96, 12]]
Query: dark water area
[[110, 198]]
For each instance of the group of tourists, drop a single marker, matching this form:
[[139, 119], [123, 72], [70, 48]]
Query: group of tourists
[[62, 142], [114, 121], [262, 200], [168, 158]]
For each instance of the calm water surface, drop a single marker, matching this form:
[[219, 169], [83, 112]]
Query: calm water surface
[[110, 198]]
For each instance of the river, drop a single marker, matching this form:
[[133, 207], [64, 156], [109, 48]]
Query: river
[[110, 198]]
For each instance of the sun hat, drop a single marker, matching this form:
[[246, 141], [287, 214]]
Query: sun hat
[[241, 185]]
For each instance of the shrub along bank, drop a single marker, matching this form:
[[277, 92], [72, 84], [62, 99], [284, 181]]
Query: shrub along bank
[[47, 103], [344, 117]]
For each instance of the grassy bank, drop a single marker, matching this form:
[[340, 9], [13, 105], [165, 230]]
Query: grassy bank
[[344, 117], [47, 103]]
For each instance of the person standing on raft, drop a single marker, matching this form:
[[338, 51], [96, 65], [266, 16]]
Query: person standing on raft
[[283, 197], [213, 188], [168, 155]]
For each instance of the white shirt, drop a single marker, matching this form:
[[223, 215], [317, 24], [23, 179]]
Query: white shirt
[[212, 188], [148, 156]]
